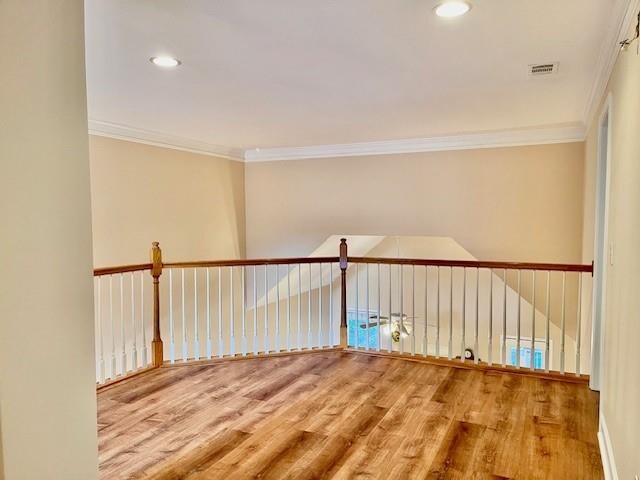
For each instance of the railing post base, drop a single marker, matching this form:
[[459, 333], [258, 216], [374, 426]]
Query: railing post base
[[343, 337], [157, 353]]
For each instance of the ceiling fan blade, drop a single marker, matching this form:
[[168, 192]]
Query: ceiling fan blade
[[404, 316], [373, 324]]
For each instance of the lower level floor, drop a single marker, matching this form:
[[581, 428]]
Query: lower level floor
[[345, 415]]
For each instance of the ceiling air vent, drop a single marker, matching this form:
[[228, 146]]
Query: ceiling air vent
[[543, 69]]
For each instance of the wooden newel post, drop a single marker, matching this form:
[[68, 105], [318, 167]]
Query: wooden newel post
[[344, 263], [156, 271]]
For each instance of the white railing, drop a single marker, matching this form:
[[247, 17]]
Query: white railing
[[509, 315], [123, 321], [519, 315], [222, 309]]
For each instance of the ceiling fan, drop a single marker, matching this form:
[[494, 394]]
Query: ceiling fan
[[397, 325]]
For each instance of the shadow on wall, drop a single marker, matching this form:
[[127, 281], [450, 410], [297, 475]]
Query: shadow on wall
[[232, 189], [192, 204]]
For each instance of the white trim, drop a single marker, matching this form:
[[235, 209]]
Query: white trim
[[504, 138], [606, 451], [565, 133], [603, 167], [617, 31], [148, 137]]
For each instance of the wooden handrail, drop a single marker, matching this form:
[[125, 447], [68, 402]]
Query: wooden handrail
[[251, 262], [560, 267], [97, 272]]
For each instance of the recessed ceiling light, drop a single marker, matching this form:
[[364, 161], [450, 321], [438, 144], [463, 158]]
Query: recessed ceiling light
[[453, 8], [163, 61]]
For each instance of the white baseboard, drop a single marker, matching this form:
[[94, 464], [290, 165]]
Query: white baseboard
[[606, 451]]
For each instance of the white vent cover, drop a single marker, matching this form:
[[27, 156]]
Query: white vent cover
[[543, 69]]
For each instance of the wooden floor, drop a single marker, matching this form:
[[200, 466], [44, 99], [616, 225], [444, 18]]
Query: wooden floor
[[345, 415]]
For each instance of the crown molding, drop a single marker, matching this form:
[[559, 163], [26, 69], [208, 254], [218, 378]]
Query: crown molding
[[619, 26], [503, 138], [148, 137]]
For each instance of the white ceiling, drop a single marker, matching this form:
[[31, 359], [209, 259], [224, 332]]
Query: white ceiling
[[285, 73]]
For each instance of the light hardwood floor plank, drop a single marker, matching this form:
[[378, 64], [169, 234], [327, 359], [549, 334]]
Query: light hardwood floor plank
[[345, 415]]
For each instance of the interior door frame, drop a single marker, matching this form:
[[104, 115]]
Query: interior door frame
[[601, 246]]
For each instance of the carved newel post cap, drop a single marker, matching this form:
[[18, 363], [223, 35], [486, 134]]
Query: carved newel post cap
[[156, 259], [343, 254]]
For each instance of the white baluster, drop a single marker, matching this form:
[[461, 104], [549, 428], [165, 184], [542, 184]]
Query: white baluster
[[134, 330], [490, 359], [288, 332], [185, 347], [379, 310], [309, 334], [331, 326], [266, 309], [101, 367], [413, 309], [277, 329], [476, 332], [320, 335], [425, 340], [367, 299], [232, 316], [256, 348], [196, 323], [563, 324], [220, 340], [450, 345], [209, 343], [123, 352], [244, 312], [172, 340], [389, 322], [533, 321], [401, 281], [112, 330], [504, 319], [463, 341], [144, 333], [548, 325], [438, 313], [357, 307], [299, 305], [579, 325], [518, 323]]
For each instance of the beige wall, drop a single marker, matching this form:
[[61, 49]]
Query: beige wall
[[620, 390], [47, 383], [521, 203], [192, 204]]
